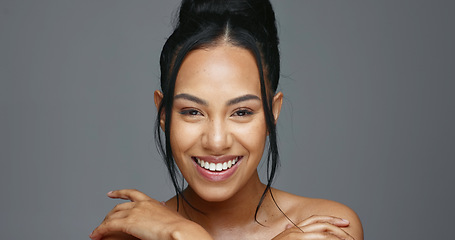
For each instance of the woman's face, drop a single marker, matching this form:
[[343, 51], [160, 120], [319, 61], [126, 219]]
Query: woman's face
[[218, 129]]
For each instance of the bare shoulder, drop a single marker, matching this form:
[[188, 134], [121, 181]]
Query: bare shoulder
[[301, 208]]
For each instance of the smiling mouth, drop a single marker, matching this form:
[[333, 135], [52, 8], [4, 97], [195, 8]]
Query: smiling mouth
[[217, 167]]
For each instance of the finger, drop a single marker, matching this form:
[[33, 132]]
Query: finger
[[123, 206], [118, 235], [318, 235], [295, 234], [129, 194], [117, 215], [115, 225], [340, 222], [326, 228], [120, 207]]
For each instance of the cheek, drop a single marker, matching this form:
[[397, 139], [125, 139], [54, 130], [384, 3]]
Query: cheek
[[183, 136], [252, 137]]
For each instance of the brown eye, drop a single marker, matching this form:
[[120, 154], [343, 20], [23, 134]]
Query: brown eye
[[190, 112], [242, 113]]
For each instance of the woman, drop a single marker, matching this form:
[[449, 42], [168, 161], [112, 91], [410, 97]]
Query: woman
[[217, 107]]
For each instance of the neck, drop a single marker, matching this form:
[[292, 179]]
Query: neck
[[237, 212]]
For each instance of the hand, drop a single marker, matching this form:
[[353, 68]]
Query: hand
[[143, 218], [317, 227], [119, 236]]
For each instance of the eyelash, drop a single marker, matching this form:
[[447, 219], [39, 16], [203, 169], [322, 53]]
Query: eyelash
[[190, 112], [237, 113], [244, 112]]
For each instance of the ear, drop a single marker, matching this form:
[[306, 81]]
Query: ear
[[276, 105], [158, 97]]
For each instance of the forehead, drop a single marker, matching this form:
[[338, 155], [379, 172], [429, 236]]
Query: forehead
[[223, 69]]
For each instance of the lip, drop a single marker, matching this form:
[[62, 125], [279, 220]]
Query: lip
[[217, 176]]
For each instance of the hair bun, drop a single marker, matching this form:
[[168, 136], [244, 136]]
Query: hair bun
[[255, 10]]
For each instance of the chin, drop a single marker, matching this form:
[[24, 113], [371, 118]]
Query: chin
[[214, 193]]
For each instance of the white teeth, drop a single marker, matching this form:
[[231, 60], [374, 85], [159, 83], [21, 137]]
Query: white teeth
[[218, 167], [212, 167]]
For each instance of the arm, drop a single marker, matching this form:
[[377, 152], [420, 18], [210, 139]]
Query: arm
[[147, 219], [191, 233]]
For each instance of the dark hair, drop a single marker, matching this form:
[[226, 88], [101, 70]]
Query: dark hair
[[249, 24]]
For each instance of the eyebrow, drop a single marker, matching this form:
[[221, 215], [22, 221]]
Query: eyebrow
[[229, 103], [190, 98], [243, 98]]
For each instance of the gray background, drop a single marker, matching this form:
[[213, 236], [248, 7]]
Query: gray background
[[368, 118]]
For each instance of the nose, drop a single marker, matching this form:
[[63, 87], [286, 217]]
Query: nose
[[217, 138]]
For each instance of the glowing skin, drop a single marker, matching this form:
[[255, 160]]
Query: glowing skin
[[218, 116]]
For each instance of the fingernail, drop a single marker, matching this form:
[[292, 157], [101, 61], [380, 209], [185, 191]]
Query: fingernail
[[92, 237], [345, 220], [109, 193]]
